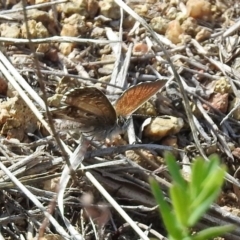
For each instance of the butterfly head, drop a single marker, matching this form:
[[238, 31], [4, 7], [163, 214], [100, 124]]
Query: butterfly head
[[120, 127]]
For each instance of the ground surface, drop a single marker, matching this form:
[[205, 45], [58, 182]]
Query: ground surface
[[92, 43]]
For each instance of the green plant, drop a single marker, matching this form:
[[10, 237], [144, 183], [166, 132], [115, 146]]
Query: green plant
[[190, 199]]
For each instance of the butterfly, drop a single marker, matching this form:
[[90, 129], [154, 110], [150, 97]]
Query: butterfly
[[94, 114]]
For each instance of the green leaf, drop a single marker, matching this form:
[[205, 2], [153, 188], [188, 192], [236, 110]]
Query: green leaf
[[212, 187], [168, 217], [212, 165], [212, 184], [199, 211], [212, 232], [190, 200], [180, 204], [174, 170], [201, 170], [197, 176]]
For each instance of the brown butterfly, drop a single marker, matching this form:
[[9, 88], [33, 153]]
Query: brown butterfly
[[97, 117]]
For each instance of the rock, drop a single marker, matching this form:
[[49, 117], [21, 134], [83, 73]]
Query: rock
[[218, 101], [36, 30], [159, 24], [160, 127], [109, 9], [10, 30], [174, 32], [198, 8]]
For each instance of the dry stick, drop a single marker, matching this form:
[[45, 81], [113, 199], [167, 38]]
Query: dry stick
[[5, 154], [117, 50], [235, 91], [122, 149], [215, 129], [16, 204], [34, 200], [55, 15], [98, 153], [184, 95], [223, 67], [55, 39], [119, 76], [41, 5], [7, 68], [117, 207], [202, 131], [206, 75], [198, 47], [45, 222], [31, 180], [62, 74], [232, 29], [19, 166]]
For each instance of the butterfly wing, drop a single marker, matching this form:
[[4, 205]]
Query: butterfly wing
[[90, 107], [136, 96]]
